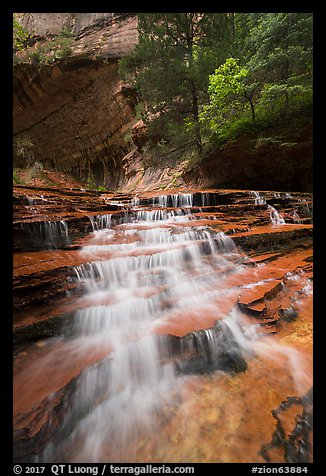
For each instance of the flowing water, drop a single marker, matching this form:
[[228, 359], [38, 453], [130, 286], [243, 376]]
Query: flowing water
[[51, 234], [275, 216], [259, 200], [149, 275]]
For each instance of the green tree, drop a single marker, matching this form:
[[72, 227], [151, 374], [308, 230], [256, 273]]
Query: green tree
[[173, 59], [280, 46], [273, 74], [279, 58], [228, 93]]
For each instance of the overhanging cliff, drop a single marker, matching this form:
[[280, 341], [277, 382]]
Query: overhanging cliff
[[76, 111]]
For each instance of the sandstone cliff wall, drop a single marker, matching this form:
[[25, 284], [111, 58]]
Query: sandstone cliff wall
[[77, 111]]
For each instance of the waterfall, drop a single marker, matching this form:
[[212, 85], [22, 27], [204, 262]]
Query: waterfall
[[149, 275], [275, 216], [259, 200], [205, 199], [159, 271], [254, 343], [181, 200], [99, 222], [49, 234]]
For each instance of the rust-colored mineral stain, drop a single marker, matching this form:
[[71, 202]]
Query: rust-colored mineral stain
[[41, 372], [33, 262], [219, 419], [258, 230]]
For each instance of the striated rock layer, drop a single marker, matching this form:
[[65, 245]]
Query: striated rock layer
[[76, 112], [248, 383]]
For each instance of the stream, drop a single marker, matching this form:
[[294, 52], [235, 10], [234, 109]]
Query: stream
[[180, 345]]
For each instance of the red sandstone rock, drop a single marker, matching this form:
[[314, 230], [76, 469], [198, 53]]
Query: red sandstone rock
[[139, 134]]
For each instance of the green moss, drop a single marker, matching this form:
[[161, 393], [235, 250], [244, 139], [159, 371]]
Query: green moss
[[17, 179]]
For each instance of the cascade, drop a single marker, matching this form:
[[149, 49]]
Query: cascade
[[166, 268], [275, 216], [100, 221], [52, 234], [159, 303], [259, 200]]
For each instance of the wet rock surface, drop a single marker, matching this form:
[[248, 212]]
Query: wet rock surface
[[268, 280], [293, 434]]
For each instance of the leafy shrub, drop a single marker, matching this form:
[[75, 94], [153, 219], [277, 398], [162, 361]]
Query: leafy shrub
[[52, 51], [20, 35], [37, 56], [140, 111], [16, 178], [66, 33]]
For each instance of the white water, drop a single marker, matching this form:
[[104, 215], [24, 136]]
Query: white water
[[259, 200], [53, 234], [175, 200], [275, 216], [168, 271], [99, 222], [159, 272], [254, 343]]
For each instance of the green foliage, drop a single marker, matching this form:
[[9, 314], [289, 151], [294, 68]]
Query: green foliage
[[216, 76], [282, 100], [192, 159], [281, 46], [273, 110], [227, 93], [91, 184], [170, 65], [228, 80], [276, 108], [20, 35], [66, 32], [16, 178], [52, 51], [275, 78]]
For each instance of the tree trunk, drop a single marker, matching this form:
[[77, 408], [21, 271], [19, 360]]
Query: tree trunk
[[195, 115], [232, 24], [252, 110]]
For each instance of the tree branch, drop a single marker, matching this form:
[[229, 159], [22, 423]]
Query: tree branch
[[184, 146]]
